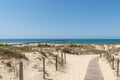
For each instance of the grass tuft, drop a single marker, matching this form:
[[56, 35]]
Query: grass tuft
[[7, 53], [44, 45]]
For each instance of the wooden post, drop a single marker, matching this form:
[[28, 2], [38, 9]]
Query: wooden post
[[113, 62], [110, 58], [62, 58], [117, 67], [43, 68], [100, 55], [56, 62], [21, 70], [65, 57]]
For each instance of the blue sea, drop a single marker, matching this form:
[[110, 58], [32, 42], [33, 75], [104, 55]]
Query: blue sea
[[63, 41]]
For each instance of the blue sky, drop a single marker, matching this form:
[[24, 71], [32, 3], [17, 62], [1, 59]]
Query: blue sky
[[60, 19]]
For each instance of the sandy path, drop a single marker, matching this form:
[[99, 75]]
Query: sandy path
[[76, 68], [94, 71], [106, 70]]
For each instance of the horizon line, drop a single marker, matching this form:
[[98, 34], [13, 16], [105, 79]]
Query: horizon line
[[59, 38]]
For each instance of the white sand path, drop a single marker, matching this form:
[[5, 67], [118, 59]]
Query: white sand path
[[106, 70], [77, 67]]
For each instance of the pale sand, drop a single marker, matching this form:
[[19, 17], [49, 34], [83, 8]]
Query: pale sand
[[106, 70], [76, 68]]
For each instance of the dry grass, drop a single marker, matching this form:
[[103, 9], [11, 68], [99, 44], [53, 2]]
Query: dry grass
[[8, 53]]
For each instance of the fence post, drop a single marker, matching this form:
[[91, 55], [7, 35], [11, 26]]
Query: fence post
[[113, 62], [65, 57], [118, 67], [62, 58], [21, 70], [110, 58], [43, 68], [56, 62], [100, 55]]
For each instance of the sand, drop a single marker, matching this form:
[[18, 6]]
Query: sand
[[75, 69], [107, 72]]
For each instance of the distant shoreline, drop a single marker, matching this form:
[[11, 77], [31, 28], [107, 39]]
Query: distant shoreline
[[61, 41]]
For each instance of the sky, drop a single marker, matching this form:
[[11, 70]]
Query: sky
[[64, 19]]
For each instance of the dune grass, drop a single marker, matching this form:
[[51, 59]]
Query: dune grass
[[4, 45], [7, 54], [44, 45], [66, 50], [75, 45]]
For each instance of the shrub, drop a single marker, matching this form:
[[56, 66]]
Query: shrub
[[75, 45], [26, 48], [4, 45], [9, 64], [43, 45], [1, 77], [58, 48], [66, 50], [43, 54], [6, 53]]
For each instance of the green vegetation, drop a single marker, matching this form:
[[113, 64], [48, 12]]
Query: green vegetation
[[44, 45], [24, 49], [58, 48], [0, 76], [66, 50], [4, 45], [75, 45], [19, 49], [43, 54], [7, 53]]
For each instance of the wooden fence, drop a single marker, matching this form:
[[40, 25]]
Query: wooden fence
[[62, 59], [114, 62]]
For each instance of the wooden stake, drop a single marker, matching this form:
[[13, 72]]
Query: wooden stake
[[113, 62], [44, 68], [21, 70], [65, 57], [110, 58], [117, 67], [56, 62], [62, 58], [100, 55]]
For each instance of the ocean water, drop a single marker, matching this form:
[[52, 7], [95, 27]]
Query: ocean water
[[63, 41]]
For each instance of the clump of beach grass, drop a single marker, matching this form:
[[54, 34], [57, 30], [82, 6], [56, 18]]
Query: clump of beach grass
[[44, 45], [7, 53], [58, 48], [4, 45], [66, 50], [1, 77], [43, 54], [76, 45]]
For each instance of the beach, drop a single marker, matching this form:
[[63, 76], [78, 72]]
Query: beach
[[59, 39], [80, 62]]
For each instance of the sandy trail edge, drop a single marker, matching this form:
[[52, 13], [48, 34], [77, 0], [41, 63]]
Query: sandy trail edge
[[106, 70], [76, 68]]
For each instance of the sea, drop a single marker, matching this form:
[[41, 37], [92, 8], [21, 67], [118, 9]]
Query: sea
[[63, 41]]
